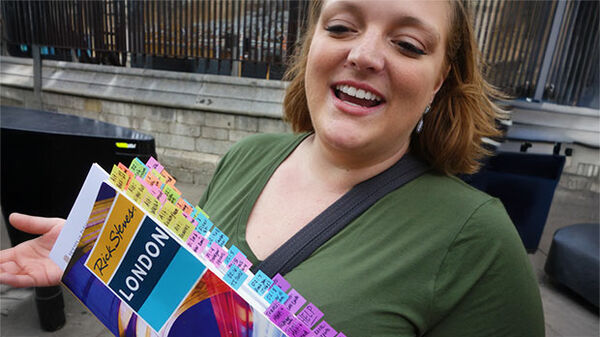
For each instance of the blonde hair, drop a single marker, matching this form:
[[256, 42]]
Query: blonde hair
[[462, 113]]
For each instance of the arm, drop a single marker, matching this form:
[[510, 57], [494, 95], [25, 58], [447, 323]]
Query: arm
[[485, 285], [28, 264]]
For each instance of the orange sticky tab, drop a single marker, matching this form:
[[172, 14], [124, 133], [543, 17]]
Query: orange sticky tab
[[128, 172], [152, 180], [181, 226], [184, 206], [118, 177], [169, 180], [118, 231]]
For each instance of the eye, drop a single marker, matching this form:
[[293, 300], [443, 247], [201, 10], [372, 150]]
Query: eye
[[337, 29], [411, 48]]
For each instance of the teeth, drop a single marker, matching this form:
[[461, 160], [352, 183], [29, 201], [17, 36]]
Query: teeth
[[358, 93]]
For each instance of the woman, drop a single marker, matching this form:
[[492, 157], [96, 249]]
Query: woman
[[372, 82]]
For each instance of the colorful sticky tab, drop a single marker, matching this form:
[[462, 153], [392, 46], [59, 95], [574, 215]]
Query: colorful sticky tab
[[233, 251], [129, 173], [118, 177], [153, 179], [184, 205], [135, 190], [138, 167], [217, 236], [204, 225], [216, 254], [276, 294], [181, 226], [168, 179], [200, 244], [294, 302], [149, 203], [324, 330], [192, 239], [272, 308], [260, 283], [167, 213], [201, 211], [171, 193], [279, 281], [235, 277], [298, 329], [154, 164], [281, 317], [241, 261], [310, 315]]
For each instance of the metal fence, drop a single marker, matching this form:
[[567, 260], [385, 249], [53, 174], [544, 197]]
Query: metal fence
[[538, 50]]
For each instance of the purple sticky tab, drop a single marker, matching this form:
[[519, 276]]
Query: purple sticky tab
[[294, 302], [240, 261], [272, 308], [310, 315], [279, 281], [298, 329], [216, 254], [154, 164], [282, 317], [192, 239], [200, 244], [324, 330]]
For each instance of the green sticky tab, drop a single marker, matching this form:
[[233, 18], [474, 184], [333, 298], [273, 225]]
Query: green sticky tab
[[171, 193], [138, 168]]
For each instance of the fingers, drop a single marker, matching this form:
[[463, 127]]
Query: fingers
[[34, 224], [17, 281]]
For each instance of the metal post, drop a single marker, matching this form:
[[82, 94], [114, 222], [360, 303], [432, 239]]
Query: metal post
[[550, 48]]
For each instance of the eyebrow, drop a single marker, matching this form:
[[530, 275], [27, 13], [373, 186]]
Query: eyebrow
[[403, 20]]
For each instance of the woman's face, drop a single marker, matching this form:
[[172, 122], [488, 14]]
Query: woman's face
[[372, 68]]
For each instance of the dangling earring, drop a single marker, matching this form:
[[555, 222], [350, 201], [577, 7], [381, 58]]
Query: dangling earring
[[420, 124]]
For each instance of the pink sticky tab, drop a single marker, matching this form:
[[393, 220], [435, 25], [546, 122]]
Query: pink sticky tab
[[154, 164], [279, 281], [324, 330], [294, 302], [216, 254], [310, 315], [241, 261], [144, 183], [297, 329], [200, 244], [191, 241], [281, 317], [272, 308], [162, 197]]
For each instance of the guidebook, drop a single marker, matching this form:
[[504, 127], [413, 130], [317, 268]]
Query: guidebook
[[146, 262]]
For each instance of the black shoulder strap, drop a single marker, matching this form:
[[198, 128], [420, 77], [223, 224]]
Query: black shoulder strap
[[339, 214]]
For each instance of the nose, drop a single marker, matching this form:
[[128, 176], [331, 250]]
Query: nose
[[366, 53]]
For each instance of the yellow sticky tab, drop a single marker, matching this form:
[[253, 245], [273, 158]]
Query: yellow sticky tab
[[181, 227], [159, 176], [118, 177], [135, 190], [149, 202], [167, 213], [116, 235]]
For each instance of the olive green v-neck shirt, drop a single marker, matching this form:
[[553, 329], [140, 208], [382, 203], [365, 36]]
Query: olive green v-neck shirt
[[433, 258]]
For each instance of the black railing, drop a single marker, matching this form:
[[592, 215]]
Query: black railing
[[538, 50]]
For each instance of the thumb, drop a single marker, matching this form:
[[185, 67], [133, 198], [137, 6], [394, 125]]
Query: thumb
[[34, 224]]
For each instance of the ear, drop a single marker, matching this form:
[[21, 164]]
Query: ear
[[443, 75]]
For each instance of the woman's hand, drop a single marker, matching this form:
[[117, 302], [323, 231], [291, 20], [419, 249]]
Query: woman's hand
[[28, 264]]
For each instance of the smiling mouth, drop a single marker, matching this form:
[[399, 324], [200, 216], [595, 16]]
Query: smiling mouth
[[355, 96]]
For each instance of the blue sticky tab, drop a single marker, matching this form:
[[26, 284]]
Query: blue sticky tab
[[260, 283], [204, 225], [276, 294], [235, 277], [217, 236], [233, 251]]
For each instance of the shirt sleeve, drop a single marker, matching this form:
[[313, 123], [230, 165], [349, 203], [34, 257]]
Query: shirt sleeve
[[485, 285]]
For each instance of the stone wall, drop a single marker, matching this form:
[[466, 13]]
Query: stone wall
[[188, 116]]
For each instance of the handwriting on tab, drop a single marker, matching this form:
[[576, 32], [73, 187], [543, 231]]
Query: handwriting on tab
[[185, 206], [201, 211], [310, 315], [260, 283], [181, 226], [233, 251], [171, 193], [294, 302], [153, 178], [281, 317], [216, 254], [138, 167], [324, 330], [168, 179], [118, 177], [282, 283], [276, 294], [204, 225], [298, 329], [129, 174], [167, 213], [200, 244], [272, 308], [235, 277], [241, 261], [135, 190], [154, 164], [217, 236]]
